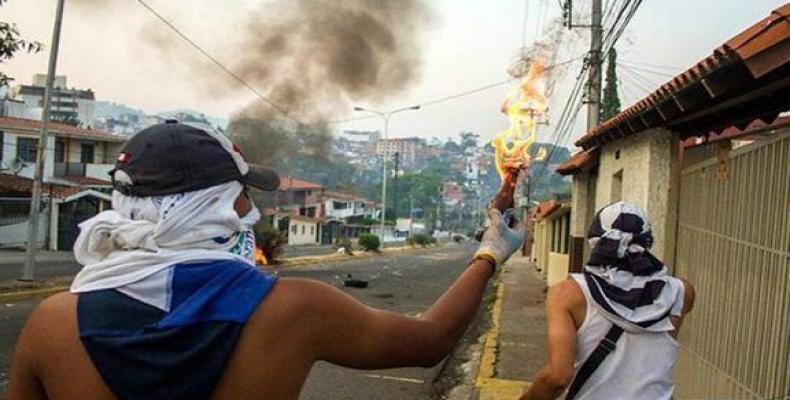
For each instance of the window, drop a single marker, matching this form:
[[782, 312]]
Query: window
[[2, 145], [293, 229], [60, 151], [302, 229], [26, 149], [312, 231], [86, 153], [617, 186]]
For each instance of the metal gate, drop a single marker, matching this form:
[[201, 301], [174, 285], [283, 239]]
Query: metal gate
[[734, 245]]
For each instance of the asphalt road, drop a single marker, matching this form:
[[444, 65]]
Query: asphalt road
[[407, 282]]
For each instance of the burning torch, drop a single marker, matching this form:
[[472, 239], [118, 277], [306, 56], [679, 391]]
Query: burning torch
[[524, 106]]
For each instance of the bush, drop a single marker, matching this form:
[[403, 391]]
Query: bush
[[410, 241], [433, 240], [369, 242], [419, 239], [458, 238], [269, 240]]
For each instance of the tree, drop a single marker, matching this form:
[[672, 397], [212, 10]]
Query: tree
[[611, 100], [11, 43], [468, 139]]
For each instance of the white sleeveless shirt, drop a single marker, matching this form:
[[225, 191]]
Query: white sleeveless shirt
[[639, 368]]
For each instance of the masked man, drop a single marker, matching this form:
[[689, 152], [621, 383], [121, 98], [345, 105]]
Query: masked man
[[612, 328], [169, 304]]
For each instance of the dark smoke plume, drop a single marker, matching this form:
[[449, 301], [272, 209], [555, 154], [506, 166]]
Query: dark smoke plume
[[313, 57]]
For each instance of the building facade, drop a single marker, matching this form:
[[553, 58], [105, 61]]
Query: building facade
[[70, 105]]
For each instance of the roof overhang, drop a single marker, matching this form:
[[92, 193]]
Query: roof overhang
[[581, 162], [745, 79]]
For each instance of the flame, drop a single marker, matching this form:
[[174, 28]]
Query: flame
[[524, 106], [260, 258]]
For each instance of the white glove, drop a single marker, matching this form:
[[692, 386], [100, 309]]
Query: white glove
[[499, 241]]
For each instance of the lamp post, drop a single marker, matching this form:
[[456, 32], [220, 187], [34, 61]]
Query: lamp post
[[386, 116]]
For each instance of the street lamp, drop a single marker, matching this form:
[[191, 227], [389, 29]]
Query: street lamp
[[386, 116]]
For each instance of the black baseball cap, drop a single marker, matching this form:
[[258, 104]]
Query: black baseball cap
[[175, 158]]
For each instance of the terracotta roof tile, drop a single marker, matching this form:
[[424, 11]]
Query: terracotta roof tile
[[579, 162], [25, 185], [58, 129], [736, 69], [291, 183]]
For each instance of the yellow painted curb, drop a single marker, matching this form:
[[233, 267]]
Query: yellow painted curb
[[489, 387], [26, 294]]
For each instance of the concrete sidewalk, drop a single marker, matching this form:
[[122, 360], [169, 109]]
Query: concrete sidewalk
[[515, 346], [17, 257]]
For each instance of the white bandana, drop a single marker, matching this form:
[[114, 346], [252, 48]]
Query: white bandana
[[142, 236]]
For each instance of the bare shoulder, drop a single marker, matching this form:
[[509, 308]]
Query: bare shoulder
[[566, 292], [57, 310], [567, 296], [689, 295]]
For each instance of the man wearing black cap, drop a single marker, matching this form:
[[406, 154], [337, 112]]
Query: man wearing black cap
[[170, 306]]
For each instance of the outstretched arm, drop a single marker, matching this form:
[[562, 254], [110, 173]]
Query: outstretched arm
[[24, 382], [349, 333], [556, 374]]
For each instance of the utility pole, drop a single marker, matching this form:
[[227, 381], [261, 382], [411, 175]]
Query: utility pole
[[395, 207], [35, 201], [594, 58], [386, 116]]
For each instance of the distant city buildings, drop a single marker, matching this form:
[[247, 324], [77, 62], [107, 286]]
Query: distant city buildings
[[406, 148], [69, 105]]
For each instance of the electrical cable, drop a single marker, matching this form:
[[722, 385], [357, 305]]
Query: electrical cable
[[456, 95], [646, 70], [216, 62], [660, 66]]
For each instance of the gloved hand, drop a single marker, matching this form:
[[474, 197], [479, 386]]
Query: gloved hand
[[499, 241]]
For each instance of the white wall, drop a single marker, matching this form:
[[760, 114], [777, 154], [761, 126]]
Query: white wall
[[297, 237], [649, 162], [16, 235], [99, 171]]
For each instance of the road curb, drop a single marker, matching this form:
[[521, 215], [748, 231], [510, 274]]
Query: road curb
[[489, 387]]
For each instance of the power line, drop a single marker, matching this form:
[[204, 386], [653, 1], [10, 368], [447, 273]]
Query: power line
[[524, 25], [216, 62], [646, 70], [456, 95], [670, 67]]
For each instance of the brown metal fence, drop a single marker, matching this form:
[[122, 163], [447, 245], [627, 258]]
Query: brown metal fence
[[734, 245]]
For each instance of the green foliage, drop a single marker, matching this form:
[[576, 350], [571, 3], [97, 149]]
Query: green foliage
[[611, 101], [433, 240], [369, 242], [269, 240], [11, 43], [418, 239]]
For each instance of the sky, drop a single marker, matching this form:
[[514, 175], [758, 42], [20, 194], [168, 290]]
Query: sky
[[468, 45]]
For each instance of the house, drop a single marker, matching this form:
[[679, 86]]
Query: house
[[310, 214], [347, 206], [76, 179], [304, 230], [551, 234], [707, 155]]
